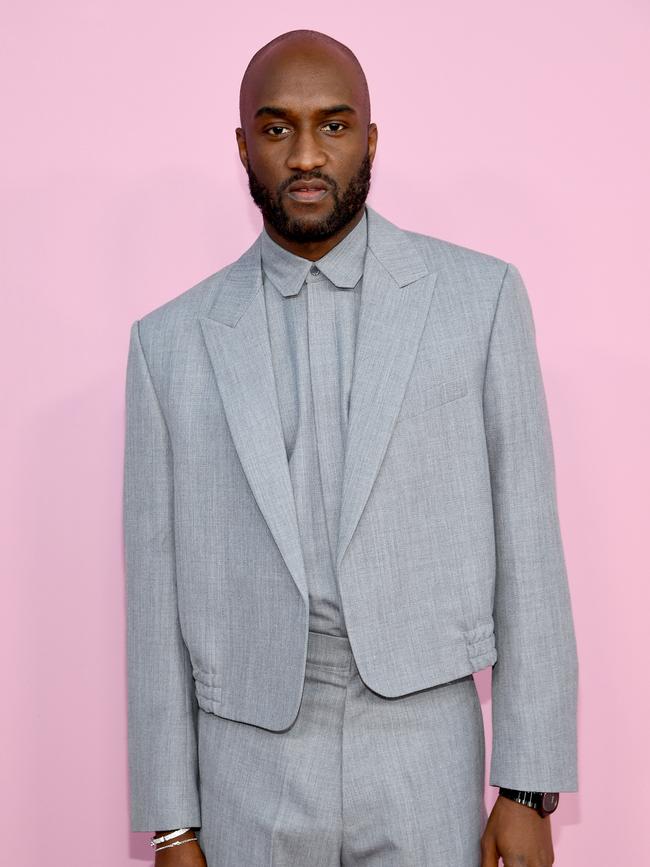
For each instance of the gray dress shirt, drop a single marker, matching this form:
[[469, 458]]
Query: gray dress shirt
[[312, 313]]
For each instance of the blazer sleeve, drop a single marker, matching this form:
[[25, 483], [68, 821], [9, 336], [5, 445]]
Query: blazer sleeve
[[535, 677], [162, 709]]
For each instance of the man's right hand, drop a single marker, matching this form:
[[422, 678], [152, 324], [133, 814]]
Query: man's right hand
[[187, 855]]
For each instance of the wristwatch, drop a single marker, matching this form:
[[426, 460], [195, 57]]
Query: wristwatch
[[543, 802]]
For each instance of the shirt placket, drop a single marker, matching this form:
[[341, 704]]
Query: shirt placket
[[326, 398]]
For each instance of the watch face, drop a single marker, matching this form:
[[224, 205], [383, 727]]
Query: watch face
[[550, 800]]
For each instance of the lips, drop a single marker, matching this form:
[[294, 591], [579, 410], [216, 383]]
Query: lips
[[299, 186], [308, 192]]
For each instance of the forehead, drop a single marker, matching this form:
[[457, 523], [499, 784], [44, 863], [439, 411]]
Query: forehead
[[302, 79]]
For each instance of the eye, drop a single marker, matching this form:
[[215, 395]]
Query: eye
[[274, 128], [336, 123]]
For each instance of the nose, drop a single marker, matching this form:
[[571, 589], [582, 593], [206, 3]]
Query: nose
[[306, 153]]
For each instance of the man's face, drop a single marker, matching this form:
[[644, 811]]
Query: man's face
[[303, 123]]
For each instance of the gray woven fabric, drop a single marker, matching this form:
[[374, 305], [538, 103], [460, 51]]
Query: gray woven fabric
[[448, 558], [312, 312], [358, 779]]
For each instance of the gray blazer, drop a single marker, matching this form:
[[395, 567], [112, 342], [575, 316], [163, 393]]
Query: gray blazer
[[449, 556]]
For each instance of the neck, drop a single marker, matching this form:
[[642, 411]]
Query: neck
[[314, 250]]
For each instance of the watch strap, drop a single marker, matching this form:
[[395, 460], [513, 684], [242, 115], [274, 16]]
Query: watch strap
[[543, 802]]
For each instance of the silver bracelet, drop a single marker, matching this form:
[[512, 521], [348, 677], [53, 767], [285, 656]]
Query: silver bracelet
[[165, 837], [177, 843]]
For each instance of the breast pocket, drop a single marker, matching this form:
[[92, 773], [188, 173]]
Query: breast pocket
[[422, 396]]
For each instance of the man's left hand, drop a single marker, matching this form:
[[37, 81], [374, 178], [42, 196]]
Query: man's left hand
[[518, 834]]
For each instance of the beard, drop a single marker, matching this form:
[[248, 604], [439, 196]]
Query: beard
[[347, 203]]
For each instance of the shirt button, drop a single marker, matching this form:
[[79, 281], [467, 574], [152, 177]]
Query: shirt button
[[314, 270]]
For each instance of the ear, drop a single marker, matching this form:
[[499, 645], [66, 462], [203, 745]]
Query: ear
[[241, 145], [372, 141]]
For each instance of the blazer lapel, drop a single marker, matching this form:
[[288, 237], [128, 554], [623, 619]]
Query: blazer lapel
[[396, 293], [236, 336]]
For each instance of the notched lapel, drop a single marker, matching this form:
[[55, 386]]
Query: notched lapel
[[396, 294], [236, 337]]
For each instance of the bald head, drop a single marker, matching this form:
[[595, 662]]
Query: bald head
[[300, 60]]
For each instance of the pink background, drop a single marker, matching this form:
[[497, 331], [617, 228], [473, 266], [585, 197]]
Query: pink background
[[517, 129]]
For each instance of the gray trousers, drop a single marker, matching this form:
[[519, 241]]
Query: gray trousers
[[357, 779]]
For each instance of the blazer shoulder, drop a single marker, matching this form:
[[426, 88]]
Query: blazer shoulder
[[459, 261], [169, 320]]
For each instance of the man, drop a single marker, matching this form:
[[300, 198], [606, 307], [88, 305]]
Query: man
[[339, 504]]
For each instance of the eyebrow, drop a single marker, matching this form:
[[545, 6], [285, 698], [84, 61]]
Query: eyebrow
[[277, 111]]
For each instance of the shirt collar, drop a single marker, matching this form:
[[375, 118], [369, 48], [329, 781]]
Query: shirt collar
[[343, 264]]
